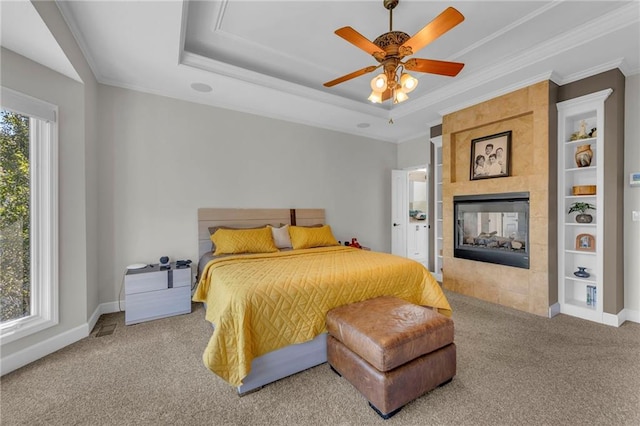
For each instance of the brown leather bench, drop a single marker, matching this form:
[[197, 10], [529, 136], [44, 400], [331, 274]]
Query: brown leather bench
[[391, 350]]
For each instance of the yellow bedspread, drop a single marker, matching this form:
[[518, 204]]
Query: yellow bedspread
[[263, 302]]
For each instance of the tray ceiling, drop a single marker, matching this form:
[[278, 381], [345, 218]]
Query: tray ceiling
[[271, 57]]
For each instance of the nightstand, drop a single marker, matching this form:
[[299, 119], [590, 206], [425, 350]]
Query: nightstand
[[153, 292]]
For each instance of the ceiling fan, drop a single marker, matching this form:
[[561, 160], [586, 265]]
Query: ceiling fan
[[390, 48]]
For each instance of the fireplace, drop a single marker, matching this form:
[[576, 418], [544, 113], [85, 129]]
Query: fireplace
[[492, 228]]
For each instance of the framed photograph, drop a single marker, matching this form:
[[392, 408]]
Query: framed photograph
[[491, 156], [585, 242]]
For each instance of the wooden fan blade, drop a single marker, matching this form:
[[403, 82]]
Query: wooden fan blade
[[432, 66], [386, 95], [434, 29], [350, 76], [358, 40]]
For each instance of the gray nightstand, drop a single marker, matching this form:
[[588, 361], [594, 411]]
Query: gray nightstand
[[154, 292]]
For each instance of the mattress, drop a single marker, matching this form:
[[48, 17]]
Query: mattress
[[263, 302]]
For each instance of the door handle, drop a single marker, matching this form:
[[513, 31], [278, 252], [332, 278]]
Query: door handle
[[396, 224]]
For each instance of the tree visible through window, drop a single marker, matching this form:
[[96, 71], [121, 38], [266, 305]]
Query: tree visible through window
[[15, 259]]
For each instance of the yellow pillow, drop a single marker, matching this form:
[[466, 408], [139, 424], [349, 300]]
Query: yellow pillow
[[235, 241], [303, 237]]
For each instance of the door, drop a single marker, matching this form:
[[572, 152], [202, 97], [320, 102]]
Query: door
[[417, 242], [399, 211], [418, 225], [409, 225]]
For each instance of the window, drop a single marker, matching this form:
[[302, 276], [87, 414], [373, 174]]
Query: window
[[28, 216]]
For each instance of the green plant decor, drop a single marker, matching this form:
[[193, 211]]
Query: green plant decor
[[581, 207]]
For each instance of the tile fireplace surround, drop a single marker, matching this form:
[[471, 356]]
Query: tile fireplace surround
[[526, 112]]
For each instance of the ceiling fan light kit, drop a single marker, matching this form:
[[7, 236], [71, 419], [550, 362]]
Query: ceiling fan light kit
[[390, 48], [379, 83], [375, 97], [408, 82]]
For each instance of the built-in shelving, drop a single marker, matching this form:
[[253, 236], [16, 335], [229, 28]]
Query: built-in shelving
[[437, 196], [581, 297]]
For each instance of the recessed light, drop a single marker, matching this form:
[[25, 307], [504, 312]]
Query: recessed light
[[201, 87], [363, 125]]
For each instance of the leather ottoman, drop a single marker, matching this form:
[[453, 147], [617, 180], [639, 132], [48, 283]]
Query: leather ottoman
[[391, 350]]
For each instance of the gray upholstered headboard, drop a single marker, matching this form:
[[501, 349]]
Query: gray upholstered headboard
[[246, 218]]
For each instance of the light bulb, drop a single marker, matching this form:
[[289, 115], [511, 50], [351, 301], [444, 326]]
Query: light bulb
[[408, 82], [379, 83], [375, 97], [399, 96]]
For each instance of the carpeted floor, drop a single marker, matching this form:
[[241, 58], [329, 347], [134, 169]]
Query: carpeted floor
[[513, 369]]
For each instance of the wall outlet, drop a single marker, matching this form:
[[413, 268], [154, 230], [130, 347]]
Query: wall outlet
[[635, 216]]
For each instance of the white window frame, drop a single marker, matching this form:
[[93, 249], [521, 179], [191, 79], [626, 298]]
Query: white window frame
[[43, 151]]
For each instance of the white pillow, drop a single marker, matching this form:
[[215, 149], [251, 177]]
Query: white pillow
[[281, 236]]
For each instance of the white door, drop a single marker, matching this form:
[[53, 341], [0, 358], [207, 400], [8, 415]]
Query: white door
[[399, 212], [417, 225], [417, 242]]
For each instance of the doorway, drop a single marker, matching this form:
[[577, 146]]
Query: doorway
[[410, 227]]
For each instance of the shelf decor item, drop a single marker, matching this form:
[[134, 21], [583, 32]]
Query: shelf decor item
[[591, 295], [584, 154], [584, 190], [585, 242], [582, 133], [581, 273], [581, 207], [491, 156]]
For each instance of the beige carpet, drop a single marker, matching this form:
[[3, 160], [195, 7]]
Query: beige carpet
[[513, 368]]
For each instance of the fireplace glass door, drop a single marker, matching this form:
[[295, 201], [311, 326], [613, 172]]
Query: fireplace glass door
[[493, 228]]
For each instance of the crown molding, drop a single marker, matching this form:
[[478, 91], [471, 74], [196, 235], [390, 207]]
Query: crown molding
[[497, 93], [545, 8], [67, 14], [207, 64], [613, 21], [618, 63]]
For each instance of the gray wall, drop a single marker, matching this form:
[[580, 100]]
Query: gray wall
[[632, 197], [414, 153], [161, 159], [55, 22]]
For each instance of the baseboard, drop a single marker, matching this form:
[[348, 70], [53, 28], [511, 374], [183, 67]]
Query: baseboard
[[612, 319], [111, 307], [618, 319], [632, 315], [104, 308], [627, 315], [554, 310], [32, 353]]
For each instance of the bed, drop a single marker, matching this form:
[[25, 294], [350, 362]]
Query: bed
[[267, 308]]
